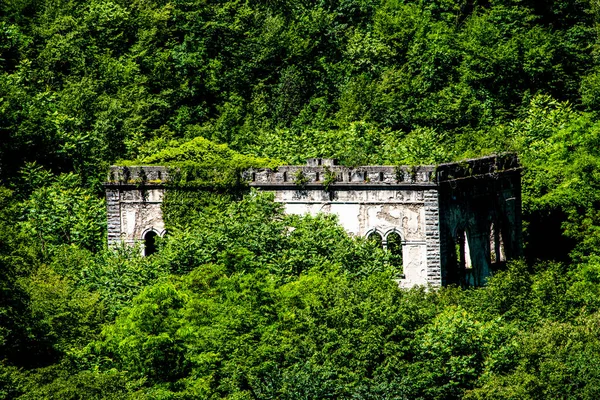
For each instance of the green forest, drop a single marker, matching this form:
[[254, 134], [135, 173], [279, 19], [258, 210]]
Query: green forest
[[242, 301]]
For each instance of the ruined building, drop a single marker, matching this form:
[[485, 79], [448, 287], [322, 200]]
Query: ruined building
[[451, 223]]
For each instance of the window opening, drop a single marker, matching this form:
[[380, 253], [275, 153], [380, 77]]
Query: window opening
[[463, 253], [497, 253], [150, 243], [375, 237], [467, 253], [493, 252], [394, 246], [501, 252]]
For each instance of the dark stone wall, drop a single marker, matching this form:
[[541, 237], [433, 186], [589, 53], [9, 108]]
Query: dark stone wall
[[474, 197], [113, 214], [432, 238]]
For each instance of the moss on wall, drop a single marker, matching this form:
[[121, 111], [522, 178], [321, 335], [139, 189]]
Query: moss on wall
[[202, 175]]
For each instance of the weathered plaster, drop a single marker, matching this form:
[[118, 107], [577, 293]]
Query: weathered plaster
[[134, 196]]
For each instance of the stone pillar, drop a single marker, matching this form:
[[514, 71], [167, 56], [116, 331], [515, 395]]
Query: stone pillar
[[113, 211], [432, 237]]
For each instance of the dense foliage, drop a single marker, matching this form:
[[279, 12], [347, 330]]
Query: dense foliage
[[241, 301]]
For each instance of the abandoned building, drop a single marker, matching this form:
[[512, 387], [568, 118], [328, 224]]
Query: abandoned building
[[451, 223]]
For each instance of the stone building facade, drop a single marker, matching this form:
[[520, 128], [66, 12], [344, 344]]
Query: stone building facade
[[134, 197], [451, 223]]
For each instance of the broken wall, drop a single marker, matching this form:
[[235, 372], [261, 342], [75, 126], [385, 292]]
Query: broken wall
[[480, 218]]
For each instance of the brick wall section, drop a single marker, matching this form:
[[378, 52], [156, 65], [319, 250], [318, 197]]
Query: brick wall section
[[113, 210], [432, 237]]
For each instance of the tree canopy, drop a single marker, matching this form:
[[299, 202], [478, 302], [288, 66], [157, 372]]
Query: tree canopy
[[241, 301]]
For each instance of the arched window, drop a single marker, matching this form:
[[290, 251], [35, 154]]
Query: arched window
[[150, 243], [394, 246], [375, 237]]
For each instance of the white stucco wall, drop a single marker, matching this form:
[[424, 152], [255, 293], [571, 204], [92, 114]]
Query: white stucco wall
[[363, 211], [141, 212]]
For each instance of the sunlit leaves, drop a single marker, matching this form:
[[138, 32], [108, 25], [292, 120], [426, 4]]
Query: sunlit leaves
[[62, 212]]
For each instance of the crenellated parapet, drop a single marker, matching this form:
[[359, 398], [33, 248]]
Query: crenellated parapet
[[137, 175], [326, 172], [484, 167]]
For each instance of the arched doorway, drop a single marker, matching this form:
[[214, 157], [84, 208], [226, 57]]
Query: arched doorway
[[150, 243]]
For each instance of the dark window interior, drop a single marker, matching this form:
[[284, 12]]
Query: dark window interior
[[376, 237], [150, 243]]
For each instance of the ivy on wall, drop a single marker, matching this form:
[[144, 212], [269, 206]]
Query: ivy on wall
[[202, 175]]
